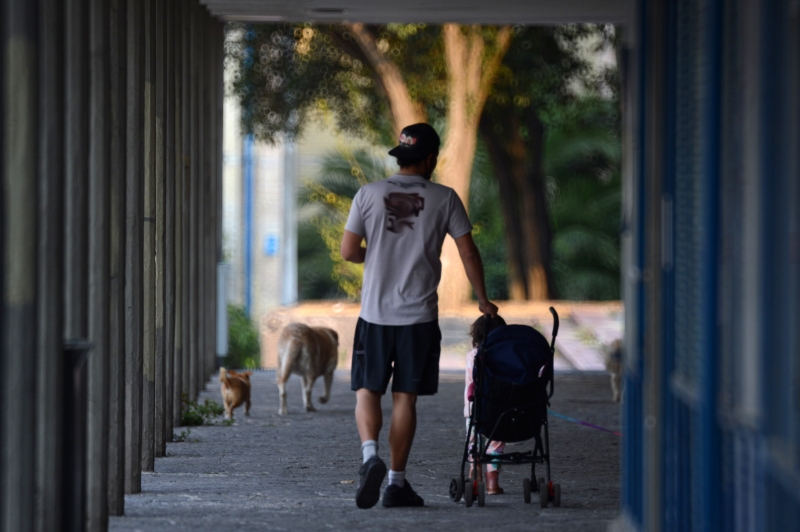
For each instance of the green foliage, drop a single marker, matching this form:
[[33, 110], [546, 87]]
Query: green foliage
[[243, 349], [183, 436], [331, 194], [314, 265], [287, 73], [195, 413], [582, 162], [488, 230]]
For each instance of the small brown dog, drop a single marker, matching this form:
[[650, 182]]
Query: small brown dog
[[235, 390], [310, 352], [615, 366]]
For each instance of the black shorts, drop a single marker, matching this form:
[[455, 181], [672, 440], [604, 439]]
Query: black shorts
[[410, 352]]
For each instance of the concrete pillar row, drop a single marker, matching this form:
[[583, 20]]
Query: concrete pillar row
[[111, 170]]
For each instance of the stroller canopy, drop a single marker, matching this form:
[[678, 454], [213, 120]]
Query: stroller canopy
[[515, 353]]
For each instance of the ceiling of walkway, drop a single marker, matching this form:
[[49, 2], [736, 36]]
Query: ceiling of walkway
[[430, 11]]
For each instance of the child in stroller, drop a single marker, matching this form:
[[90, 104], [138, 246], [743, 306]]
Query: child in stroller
[[478, 331], [513, 383]]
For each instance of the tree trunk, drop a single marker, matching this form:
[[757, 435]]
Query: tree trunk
[[517, 161], [470, 72], [512, 218], [470, 75]]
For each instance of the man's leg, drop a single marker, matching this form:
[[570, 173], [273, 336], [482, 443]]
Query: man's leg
[[369, 416], [369, 419], [402, 429]]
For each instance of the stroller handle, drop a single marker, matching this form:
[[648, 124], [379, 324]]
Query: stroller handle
[[552, 352], [555, 323]]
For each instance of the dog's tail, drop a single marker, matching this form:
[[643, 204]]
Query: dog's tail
[[223, 376], [288, 351]]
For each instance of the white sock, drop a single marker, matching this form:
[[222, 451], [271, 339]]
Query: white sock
[[369, 449], [398, 478]]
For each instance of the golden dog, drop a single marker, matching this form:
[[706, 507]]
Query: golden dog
[[616, 367], [310, 352], [235, 390]]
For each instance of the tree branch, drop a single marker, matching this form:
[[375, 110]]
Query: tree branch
[[502, 42], [405, 110]]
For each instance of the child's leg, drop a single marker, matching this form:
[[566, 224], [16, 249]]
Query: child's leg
[[493, 469]]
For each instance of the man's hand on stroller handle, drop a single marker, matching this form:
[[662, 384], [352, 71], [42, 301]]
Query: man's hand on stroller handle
[[488, 307]]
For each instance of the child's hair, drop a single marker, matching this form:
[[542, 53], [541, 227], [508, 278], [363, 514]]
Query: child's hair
[[478, 329]]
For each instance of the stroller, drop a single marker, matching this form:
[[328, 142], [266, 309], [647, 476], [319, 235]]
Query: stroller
[[513, 368]]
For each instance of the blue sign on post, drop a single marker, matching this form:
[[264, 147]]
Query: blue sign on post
[[271, 245]]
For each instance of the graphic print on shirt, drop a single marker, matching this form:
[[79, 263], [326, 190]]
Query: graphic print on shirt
[[400, 207]]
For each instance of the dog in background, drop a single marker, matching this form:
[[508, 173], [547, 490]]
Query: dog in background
[[235, 390], [615, 366], [310, 352]]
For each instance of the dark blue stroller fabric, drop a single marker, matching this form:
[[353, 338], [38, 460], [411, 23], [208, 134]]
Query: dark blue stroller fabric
[[511, 394]]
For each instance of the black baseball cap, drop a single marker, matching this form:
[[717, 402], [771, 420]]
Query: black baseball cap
[[416, 142]]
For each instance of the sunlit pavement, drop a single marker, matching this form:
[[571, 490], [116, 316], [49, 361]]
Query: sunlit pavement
[[299, 472]]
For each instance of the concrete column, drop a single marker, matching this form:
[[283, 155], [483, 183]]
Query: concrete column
[[50, 302], [149, 339], [193, 183], [76, 166], [289, 255], [76, 207], [220, 84], [178, 206], [99, 238], [116, 328], [216, 169], [20, 218], [134, 208], [169, 225], [185, 201], [160, 190], [206, 216]]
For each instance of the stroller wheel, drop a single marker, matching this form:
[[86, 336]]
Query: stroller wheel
[[556, 495], [543, 493], [526, 490], [468, 495], [481, 494], [456, 489]]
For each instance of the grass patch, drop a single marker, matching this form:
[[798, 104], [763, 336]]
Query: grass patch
[[204, 413]]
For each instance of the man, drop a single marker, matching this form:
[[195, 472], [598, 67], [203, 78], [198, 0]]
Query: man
[[404, 220]]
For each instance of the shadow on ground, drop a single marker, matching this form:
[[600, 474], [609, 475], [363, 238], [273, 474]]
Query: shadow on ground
[[299, 472]]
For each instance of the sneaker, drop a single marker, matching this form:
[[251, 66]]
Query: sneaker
[[371, 474], [396, 497]]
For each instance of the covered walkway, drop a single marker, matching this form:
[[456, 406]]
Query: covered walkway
[[299, 472]]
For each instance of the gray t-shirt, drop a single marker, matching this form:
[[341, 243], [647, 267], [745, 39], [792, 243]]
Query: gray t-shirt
[[404, 220]]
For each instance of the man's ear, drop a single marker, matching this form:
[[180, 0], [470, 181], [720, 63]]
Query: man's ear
[[432, 159]]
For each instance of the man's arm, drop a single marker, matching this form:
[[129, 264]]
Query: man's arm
[[473, 265], [351, 248]]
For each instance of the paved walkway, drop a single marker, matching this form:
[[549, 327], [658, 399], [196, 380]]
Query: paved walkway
[[299, 472]]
